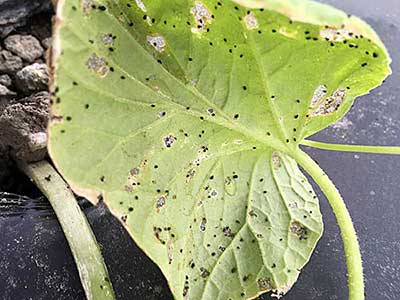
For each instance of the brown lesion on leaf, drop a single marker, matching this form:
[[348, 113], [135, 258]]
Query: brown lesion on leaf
[[185, 291], [169, 140], [170, 251], [276, 160], [108, 39], [161, 201], [134, 172], [213, 193], [331, 104], [98, 65], [157, 231], [319, 95], [264, 284], [252, 213], [204, 273], [157, 41], [87, 6], [133, 181], [190, 174], [143, 163], [141, 5], [250, 21], [227, 231], [298, 229], [334, 34], [203, 224], [201, 15]]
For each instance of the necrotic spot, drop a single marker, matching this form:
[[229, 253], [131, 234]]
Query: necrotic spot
[[97, 64], [169, 140], [251, 21], [319, 94], [157, 41]]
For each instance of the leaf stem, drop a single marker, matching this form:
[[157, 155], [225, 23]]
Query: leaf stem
[[350, 242], [89, 261], [353, 148]]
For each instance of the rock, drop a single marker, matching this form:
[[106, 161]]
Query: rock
[[9, 63], [46, 43], [23, 126], [32, 78], [5, 92], [25, 46], [15, 13], [5, 80]]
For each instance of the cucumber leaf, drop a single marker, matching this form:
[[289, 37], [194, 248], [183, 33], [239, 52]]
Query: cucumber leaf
[[184, 116]]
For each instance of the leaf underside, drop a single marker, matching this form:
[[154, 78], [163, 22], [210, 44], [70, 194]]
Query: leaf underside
[[183, 115]]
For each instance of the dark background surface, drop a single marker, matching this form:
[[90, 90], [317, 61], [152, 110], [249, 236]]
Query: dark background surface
[[36, 264]]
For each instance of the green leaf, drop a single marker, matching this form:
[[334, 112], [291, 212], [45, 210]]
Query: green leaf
[[186, 116]]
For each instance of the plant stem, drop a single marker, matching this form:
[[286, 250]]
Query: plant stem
[[351, 246], [85, 250], [353, 148]]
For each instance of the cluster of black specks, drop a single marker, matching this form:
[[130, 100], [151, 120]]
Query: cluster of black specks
[[228, 232], [211, 112], [108, 40], [252, 214], [204, 273], [160, 202], [203, 225], [169, 140], [246, 277], [201, 133], [185, 289], [264, 284], [157, 233], [189, 175], [299, 230]]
